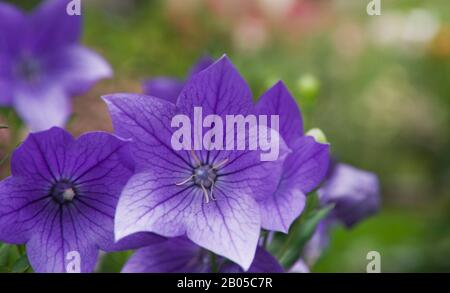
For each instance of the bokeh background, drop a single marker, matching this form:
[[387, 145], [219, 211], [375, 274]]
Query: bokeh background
[[378, 86]]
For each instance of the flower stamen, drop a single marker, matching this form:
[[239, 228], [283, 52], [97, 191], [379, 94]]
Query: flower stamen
[[185, 180], [219, 165]]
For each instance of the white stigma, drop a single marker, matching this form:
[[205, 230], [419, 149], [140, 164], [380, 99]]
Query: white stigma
[[68, 194]]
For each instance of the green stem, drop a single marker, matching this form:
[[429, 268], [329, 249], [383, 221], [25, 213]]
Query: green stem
[[214, 268]]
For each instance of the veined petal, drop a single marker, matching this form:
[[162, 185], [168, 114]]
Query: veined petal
[[60, 242], [219, 89], [147, 121], [23, 206], [307, 165], [303, 170], [228, 226], [94, 164], [280, 209], [174, 255], [41, 157], [278, 101], [203, 63]]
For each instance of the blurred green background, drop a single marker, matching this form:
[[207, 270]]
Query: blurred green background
[[378, 86]]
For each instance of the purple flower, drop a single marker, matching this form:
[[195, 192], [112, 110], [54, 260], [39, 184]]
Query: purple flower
[[42, 64], [303, 169], [212, 197], [354, 192], [62, 196], [169, 88], [318, 242], [179, 255]]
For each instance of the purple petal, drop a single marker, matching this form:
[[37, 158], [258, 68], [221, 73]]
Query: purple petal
[[175, 255], [23, 205], [303, 170], [11, 25], [164, 88], [201, 65], [51, 229], [354, 192], [146, 120], [299, 267], [6, 92], [51, 28], [264, 262], [77, 69], [12, 22], [40, 157], [59, 236], [169, 88], [278, 101], [42, 107], [280, 209], [307, 165], [137, 240], [94, 163], [219, 89], [228, 226], [318, 242]]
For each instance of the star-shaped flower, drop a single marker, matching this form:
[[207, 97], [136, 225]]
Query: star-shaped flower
[[209, 196], [42, 64], [62, 196]]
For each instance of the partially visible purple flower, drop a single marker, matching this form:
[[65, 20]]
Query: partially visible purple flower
[[42, 64], [62, 196], [354, 192], [169, 88], [303, 169], [299, 267], [212, 197], [318, 242], [179, 255]]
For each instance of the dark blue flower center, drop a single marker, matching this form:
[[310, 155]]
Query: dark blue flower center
[[28, 69], [63, 191], [205, 175]]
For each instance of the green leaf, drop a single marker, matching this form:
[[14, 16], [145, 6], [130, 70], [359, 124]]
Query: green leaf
[[21, 265], [302, 232], [113, 262]]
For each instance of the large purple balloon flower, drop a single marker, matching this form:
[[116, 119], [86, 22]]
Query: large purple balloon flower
[[42, 64], [212, 197], [179, 255], [62, 196], [303, 170]]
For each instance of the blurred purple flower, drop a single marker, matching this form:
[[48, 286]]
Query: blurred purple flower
[[62, 196], [179, 255], [42, 64], [304, 168], [168, 87], [354, 192], [167, 194]]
